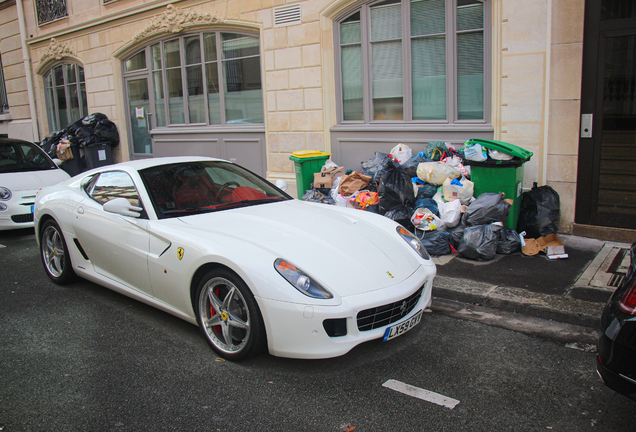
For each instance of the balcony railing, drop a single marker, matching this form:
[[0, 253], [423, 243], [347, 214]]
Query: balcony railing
[[50, 10]]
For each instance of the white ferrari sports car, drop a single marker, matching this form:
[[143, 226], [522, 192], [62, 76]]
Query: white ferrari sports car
[[220, 247]]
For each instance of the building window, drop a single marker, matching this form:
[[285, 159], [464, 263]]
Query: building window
[[50, 10], [414, 61], [208, 78], [65, 91]]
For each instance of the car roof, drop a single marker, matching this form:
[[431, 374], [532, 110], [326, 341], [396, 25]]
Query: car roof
[[15, 141], [141, 164]]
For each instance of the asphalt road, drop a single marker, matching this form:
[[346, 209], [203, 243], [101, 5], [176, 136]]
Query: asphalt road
[[82, 358]]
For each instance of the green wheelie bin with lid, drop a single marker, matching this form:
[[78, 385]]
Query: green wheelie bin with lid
[[306, 164], [501, 175]]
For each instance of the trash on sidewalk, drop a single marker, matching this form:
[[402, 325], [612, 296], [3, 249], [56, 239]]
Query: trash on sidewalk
[[84, 143], [551, 245], [540, 211], [453, 204]]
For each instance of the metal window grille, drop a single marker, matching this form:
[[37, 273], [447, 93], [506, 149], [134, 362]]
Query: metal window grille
[[4, 102], [50, 10]]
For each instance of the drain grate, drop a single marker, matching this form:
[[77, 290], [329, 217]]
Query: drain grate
[[616, 280]]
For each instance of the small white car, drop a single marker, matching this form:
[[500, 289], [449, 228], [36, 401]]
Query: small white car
[[220, 247], [24, 169]]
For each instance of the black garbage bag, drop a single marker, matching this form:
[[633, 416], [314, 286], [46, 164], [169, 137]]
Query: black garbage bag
[[487, 208], [92, 119], [106, 131], [375, 208], [386, 164], [73, 127], [540, 212], [436, 242], [428, 203], [508, 242], [396, 193], [457, 234], [371, 166], [479, 242], [85, 136], [426, 191]]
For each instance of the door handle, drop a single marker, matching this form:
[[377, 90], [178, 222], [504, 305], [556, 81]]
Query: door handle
[[148, 127]]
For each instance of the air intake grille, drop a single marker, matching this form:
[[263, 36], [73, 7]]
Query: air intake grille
[[22, 218], [287, 15], [381, 316]]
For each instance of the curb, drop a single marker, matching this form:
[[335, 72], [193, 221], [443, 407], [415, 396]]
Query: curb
[[518, 300]]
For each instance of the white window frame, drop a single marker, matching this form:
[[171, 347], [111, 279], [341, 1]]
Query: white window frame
[[452, 119]]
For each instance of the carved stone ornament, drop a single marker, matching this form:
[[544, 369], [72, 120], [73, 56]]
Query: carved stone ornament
[[57, 51], [175, 20]]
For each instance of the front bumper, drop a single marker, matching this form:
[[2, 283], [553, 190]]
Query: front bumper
[[19, 213], [297, 331]]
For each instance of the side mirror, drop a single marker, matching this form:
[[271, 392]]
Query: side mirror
[[282, 185], [57, 162], [122, 206]]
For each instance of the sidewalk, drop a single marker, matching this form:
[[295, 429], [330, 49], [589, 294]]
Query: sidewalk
[[572, 290]]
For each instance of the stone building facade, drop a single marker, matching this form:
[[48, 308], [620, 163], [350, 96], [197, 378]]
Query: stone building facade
[[532, 80]]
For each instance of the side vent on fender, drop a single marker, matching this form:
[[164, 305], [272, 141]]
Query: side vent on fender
[[79, 248]]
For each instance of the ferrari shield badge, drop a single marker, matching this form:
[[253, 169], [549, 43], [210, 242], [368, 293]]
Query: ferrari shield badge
[[180, 253]]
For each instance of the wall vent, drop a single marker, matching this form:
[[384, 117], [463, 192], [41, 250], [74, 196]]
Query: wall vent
[[287, 15]]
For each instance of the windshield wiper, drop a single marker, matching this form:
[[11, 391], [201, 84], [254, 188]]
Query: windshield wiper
[[247, 203], [190, 210]]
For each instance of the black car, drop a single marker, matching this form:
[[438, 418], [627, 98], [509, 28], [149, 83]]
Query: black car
[[616, 360]]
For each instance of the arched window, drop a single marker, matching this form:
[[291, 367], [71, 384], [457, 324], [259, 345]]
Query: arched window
[[414, 61], [65, 95], [205, 79]]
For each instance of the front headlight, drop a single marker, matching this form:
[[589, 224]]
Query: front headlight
[[301, 281], [5, 194], [414, 242]]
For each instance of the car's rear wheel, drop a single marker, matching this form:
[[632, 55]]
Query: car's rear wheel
[[54, 254], [229, 316]]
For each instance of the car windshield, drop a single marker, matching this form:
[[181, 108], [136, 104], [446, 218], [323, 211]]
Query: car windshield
[[186, 188], [21, 156]]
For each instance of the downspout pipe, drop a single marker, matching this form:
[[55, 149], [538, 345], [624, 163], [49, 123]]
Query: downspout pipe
[[26, 57]]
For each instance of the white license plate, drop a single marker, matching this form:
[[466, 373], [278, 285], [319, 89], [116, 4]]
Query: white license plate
[[403, 327]]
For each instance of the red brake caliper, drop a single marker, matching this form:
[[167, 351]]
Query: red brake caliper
[[217, 328]]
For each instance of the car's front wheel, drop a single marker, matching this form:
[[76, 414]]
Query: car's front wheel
[[54, 254], [229, 316]]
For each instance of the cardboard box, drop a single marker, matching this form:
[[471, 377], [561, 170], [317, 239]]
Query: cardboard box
[[324, 179], [551, 245]]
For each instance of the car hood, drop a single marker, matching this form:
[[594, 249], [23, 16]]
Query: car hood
[[32, 180], [340, 248]]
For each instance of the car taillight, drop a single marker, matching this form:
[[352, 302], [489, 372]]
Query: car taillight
[[627, 303]]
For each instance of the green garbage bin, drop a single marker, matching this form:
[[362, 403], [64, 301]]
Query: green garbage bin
[[306, 163], [501, 175]]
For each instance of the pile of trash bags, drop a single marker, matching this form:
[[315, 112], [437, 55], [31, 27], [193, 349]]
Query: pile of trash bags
[[94, 129], [431, 194]]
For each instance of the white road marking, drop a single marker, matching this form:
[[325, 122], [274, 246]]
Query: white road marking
[[1, 246], [419, 393]]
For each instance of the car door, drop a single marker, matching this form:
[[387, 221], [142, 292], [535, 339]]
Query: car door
[[117, 245]]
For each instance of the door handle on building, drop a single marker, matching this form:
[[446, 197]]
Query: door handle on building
[[148, 127]]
